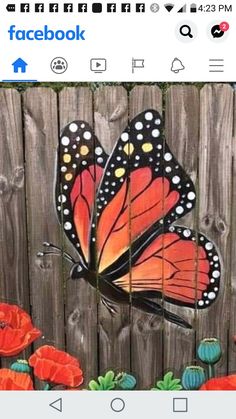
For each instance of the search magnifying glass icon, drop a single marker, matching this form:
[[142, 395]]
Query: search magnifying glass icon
[[185, 30]]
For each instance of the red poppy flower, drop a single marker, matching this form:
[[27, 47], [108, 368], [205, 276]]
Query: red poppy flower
[[56, 367], [16, 330], [11, 380], [222, 383]]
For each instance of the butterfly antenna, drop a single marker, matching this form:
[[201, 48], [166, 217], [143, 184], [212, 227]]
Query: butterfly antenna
[[56, 251]]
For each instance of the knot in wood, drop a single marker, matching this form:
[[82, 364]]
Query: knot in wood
[[119, 111], [18, 178], [140, 326], [207, 221], [220, 226], [74, 317], [4, 186]]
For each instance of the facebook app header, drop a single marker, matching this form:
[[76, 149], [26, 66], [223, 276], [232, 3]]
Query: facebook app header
[[46, 34]]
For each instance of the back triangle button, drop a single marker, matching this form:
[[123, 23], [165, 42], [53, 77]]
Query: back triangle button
[[57, 405]]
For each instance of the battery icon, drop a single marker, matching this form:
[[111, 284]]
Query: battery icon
[[193, 8]]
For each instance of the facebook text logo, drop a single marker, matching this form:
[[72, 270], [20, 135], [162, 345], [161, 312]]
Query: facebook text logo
[[46, 34]]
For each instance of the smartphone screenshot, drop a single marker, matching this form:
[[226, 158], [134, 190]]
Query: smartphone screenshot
[[117, 209]]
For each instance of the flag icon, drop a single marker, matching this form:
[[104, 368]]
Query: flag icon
[[137, 63]]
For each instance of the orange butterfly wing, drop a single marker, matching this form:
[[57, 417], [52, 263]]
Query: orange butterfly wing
[[81, 160], [175, 265], [137, 191]]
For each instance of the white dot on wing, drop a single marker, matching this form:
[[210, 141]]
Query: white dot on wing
[[191, 195], [138, 126], [167, 156], [87, 135], [73, 127], [155, 133], [67, 226], [65, 141], [124, 136], [209, 246], [176, 179], [148, 116], [98, 151]]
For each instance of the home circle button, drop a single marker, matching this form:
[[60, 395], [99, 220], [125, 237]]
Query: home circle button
[[117, 405]]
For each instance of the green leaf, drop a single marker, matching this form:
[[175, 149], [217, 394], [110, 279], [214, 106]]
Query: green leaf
[[93, 385], [168, 379], [168, 383], [106, 382]]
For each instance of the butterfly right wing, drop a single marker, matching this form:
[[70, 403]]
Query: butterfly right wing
[[180, 265], [81, 160]]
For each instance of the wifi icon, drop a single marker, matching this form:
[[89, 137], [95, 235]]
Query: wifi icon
[[169, 6]]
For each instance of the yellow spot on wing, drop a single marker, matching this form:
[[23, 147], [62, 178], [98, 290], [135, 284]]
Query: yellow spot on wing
[[147, 147], [84, 150], [128, 149], [67, 158], [119, 172], [68, 176]]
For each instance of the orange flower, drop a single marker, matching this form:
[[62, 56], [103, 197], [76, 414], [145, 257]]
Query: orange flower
[[56, 367], [222, 383], [16, 330], [11, 380]]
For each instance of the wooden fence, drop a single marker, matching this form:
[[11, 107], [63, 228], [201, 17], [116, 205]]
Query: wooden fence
[[199, 128]]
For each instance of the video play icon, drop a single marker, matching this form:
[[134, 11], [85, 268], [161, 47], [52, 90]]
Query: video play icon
[[98, 65]]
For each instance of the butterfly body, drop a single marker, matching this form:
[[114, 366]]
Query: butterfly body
[[119, 211]]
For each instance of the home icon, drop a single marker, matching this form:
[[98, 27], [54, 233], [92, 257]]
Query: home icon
[[19, 66]]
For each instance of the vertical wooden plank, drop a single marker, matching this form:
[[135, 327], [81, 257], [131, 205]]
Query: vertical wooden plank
[[111, 116], [232, 285], [14, 288], [46, 281], [215, 171], [147, 330], [182, 133], [81, 301]]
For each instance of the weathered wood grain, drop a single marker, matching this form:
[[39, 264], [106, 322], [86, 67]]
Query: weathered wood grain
[[81, 301], [200, 130], [147, 329], [110, 118], [232, 284], [215, 193], [182, 129], [46, 280], [14, 288]]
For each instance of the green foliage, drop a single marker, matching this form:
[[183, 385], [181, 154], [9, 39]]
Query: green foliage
[[106, 382], [169, 383]]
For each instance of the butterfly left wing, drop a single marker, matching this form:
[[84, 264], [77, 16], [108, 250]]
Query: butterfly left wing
[[81, 160], [180, 265]]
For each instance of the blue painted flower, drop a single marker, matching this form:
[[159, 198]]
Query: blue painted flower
[[126, 381], [209, 351], [193, 377], [20, 366]]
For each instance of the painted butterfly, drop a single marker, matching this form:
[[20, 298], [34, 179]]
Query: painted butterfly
[[118, 212]]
